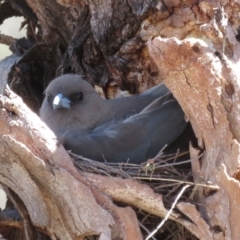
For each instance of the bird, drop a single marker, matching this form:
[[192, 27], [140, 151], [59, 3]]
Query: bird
[[129, 129]]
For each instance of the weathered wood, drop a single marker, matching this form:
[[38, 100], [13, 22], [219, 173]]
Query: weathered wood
[[206, 85], [196, 55], [59, 200]]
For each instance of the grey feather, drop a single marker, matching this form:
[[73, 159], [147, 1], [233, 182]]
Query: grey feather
[[132, 128]]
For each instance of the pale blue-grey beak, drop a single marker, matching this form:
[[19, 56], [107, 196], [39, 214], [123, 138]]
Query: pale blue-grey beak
[[61, 102]]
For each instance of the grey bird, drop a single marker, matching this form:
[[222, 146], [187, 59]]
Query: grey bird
[[133, 128]]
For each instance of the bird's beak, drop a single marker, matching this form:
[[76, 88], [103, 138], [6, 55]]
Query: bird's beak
[[61, 102]]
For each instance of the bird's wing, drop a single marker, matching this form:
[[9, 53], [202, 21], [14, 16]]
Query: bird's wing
[[136, 139], [113, 142], [156, 91], [167, 122]]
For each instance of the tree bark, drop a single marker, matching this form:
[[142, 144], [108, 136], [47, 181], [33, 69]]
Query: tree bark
[[191, 45], [205, 81], [40, 172]]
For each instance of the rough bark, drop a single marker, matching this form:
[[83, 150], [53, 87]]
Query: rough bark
[[205, 81], [196, 55], [59, 200]]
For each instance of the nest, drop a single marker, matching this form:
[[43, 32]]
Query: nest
[[166, 174]]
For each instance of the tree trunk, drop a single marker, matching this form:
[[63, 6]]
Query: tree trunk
[[192, 46]]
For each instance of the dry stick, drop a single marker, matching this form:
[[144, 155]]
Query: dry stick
[[179, 181], [160, 153], [169, 212], [173, 156], [100, 164], [142, 226], [103, 165], [179, 163]]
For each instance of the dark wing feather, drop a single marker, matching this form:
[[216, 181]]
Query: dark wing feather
[[136, 139], [115, 142], [156, 91]]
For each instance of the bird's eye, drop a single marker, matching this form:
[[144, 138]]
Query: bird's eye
[[49, 97], [79, 96]]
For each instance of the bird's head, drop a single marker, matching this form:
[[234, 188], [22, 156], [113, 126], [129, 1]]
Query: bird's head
[[67, 91], [67, 99]]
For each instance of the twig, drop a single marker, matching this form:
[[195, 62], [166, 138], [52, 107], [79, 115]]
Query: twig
[[178, 181], [143, 227], [169, 212]]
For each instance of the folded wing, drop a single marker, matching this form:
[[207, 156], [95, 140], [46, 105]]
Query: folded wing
[[136, 139]]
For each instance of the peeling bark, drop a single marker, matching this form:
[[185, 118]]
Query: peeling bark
[[192, 46], [59, 200], [207, 87], [143, 197]]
